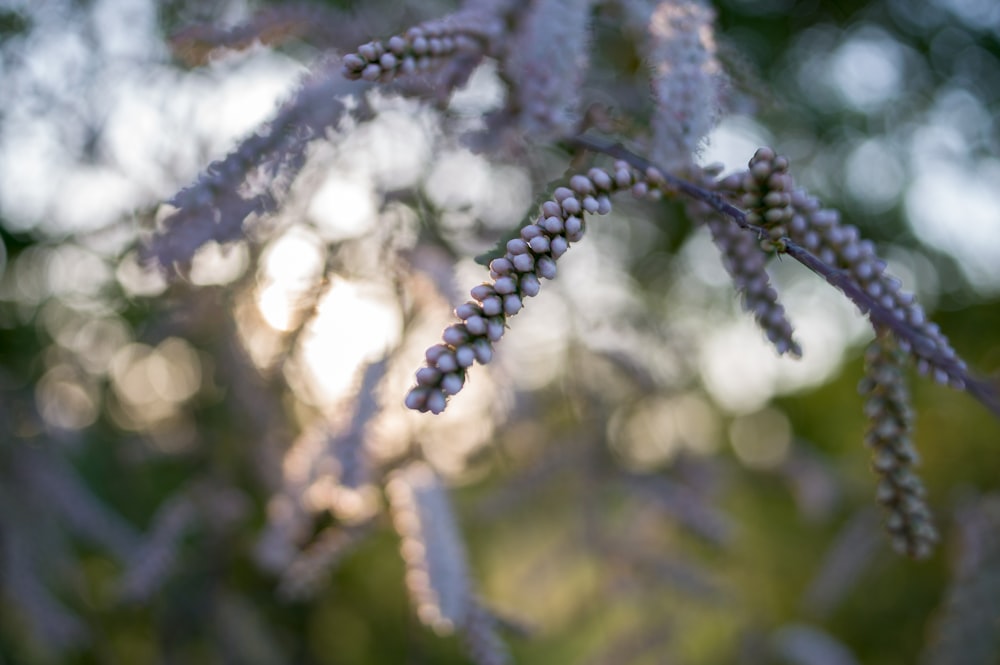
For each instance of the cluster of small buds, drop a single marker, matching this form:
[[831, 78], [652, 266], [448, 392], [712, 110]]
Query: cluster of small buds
[[517, 275], [420, 48], [768, 192], [900, 491], [746, 264]]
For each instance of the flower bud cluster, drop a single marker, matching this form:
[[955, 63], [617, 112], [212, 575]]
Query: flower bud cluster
[[890, 417], [516, 276], [746, 264], [420, 48], [768, 192]]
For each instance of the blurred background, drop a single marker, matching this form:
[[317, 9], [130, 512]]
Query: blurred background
[[193, 460]]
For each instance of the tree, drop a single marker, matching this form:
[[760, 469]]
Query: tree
[[223, 430]]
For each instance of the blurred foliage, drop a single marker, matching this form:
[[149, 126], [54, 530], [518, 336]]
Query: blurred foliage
[[179, 485]]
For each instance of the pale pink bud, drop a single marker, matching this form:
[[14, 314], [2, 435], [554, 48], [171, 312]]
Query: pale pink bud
[[640, 189], [623, 178]]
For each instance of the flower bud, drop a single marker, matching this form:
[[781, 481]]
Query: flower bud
[[455, 334], [600, 178], [526, 262], [530, 286], [465, 310], [553, 225], [511, 304], [552, 209], [517, 246], [500, 267], [428, 376], [482, 291], [558, 246], [562, 193], [581, 184], [416, 399], [476, 325], [531, 231], [495, 328], [505, 285], [493, 305], [483, 350], [546, 267], [465, 356], [446, 363], [436, 401], [452, 383], [540, 245], [572, 206]]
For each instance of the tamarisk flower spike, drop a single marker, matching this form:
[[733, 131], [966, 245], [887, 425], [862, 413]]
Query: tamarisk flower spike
[[900, 491], [422, 47], [922, 341], [516, 276]]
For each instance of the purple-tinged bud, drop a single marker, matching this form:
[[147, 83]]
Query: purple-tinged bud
[[581, 184], [435, 352], [428, 376], [500, 267], [388, 61], [354, 62], [495, 328], [798, 225], [416, 399], [562, 193], [531, 231], [572, 206], [623, 178], [465, 356], [419, 44], [482, 291], [640, 189], [600, 178], [493, 305], [526, 262], [558, 246], [483, 350], [655, 177], [554, 225], [466, 310], [511, 304], [452, 383], [371, 72], [409, 65], [530, 286], [590, 204], [603, 205], [476, 325], [541, 244], [546, 267], [397, 44], [436, 401], [552, 209], [414, 32], [504, 286], [435, 46], [455, 334], [447, 44], [368, 51], [446, 363], [517, 246]]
